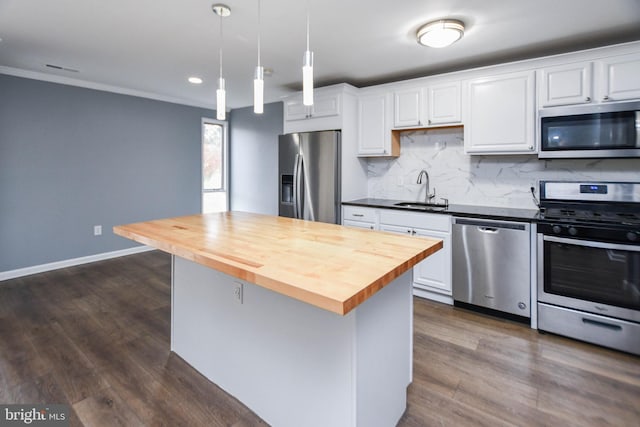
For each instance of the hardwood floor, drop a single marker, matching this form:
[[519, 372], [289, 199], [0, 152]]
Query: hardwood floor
[[96, 337]]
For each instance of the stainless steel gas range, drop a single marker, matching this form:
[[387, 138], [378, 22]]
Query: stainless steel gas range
[[589, 262]]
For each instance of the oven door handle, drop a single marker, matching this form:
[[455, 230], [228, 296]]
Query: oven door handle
[[592, 244]]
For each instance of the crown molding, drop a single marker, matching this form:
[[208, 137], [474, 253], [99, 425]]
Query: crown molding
[[35, 75]]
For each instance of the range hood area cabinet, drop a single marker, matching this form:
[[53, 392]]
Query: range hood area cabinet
[[499, 114], [432, 105], [590, 82]]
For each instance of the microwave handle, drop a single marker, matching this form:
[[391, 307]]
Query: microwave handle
[[592, 244]]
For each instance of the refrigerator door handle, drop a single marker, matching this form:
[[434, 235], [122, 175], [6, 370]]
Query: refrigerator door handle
[[307, 210], [296, 187]]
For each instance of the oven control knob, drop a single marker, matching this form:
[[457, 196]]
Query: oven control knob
[[556, 229], [632, 236], [573, 231]]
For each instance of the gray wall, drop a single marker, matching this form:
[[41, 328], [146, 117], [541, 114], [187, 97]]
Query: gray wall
[[71, 158], [254, 159]]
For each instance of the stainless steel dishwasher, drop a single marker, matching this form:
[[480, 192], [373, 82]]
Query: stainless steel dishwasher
[[491, 264]]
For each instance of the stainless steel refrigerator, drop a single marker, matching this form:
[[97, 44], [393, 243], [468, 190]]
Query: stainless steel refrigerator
[[309, 176]]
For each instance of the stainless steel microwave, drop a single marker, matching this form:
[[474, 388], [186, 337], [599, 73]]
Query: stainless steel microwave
[[596, 131]]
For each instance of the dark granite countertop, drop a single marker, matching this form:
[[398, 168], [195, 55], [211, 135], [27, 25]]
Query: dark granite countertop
[[470, 211]]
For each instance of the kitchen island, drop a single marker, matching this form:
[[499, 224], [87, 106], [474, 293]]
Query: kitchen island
[[306, 323]]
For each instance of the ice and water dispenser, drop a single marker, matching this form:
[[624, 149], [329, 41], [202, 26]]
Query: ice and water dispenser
[[286, 188]]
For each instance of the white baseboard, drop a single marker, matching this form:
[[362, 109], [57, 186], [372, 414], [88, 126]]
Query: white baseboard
[[434, 296], [20, 272]]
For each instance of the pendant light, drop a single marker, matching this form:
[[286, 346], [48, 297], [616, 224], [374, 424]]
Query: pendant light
[[258, 80], [307, 70], [222, 11]]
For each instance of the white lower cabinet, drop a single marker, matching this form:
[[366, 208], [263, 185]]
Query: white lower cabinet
[[431, 277], [359, 217], [359, 224]]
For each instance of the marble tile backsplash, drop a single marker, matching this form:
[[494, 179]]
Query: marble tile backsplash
[[502, 181]]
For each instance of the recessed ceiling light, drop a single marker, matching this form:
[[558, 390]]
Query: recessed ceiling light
[[195, 80], [440, 33]]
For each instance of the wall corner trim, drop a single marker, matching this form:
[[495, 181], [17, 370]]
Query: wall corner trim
[[21, 272]]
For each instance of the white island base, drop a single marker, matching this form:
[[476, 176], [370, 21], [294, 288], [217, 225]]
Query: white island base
[[290, 362]]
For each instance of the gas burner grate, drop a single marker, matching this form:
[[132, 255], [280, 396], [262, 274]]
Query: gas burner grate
[[628, 215]]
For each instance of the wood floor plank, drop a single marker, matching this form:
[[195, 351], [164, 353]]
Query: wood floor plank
[[595, 360], [106, 409], [43, 390], [435, 409], [96, 337]]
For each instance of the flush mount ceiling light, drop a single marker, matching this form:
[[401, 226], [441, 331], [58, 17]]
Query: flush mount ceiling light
[[440, 33], [195, 80]]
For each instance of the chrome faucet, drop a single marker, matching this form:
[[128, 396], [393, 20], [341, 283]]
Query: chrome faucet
[[427, 197]]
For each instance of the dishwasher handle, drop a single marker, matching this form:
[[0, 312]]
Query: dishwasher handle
[[488, 230], [490, 226]]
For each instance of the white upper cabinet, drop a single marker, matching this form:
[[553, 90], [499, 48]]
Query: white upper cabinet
[[407, 108], [443, 103], [620, 78], [566, 84], [324, 105], [432, 105], [374, 130], [611, 79], [327, 111], [499, 114]]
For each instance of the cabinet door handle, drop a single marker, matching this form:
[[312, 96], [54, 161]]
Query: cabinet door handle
[[429, 121], [531, 147], [605, 98], [588, 99], [358, 214]]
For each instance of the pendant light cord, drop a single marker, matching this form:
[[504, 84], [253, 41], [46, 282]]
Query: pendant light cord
[[307, 24], [221, 42], [259, 29]]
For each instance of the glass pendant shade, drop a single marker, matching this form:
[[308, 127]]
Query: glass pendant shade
[[258, 91], [307, 79], [221, 100]]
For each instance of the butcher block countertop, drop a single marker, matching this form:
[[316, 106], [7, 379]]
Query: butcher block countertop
[[329, 266]]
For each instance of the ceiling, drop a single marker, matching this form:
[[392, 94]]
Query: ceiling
[[151, 47]]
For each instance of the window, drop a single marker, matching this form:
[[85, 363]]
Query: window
[[214, 166]]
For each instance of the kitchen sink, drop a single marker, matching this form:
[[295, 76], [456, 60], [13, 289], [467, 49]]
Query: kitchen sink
[[423, 206]]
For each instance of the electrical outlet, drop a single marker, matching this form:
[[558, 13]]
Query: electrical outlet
[[97, 230], [237, 292]]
